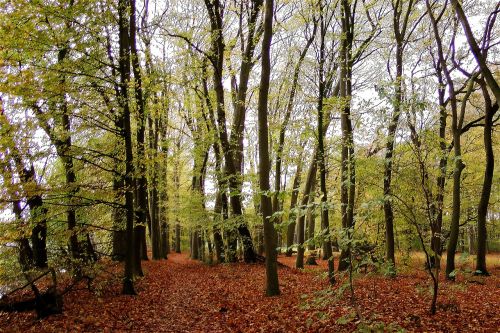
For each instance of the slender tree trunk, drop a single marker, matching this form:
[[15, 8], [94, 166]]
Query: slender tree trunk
[[218, 241], [455, 217], [311, 176], [177, 237], [400, 23], [482, 208], [221, 208], [215, 12], [311, 218], [119, 221], [70, 183], [290, 232], [37, 254], [236, 138], [391, 136], [456, 128], [195, 245], [176, 176], [155, 230], [25, 252], [270, 235], [39, 232], [59, 132], [124, 69], [325, 224], [308, 189], [296, 182], [143, 217], [284, 125], [164, 242], [167, 240], [437, 224], [347, 170]]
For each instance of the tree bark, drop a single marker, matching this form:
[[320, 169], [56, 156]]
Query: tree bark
[[437, 223], [482, 208], [325, 224], [124, 70], [311, 218], [290, 232], [270, 235], [311, 176], [214, 9], [400, 37], [348, 175], [143, 214], [286, 120]]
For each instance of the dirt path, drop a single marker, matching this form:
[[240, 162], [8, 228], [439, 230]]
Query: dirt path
[[177, 295], [182, 295]]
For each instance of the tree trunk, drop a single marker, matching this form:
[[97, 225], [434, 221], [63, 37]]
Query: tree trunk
[[119, 220], [164, 241], [436, 241], [290, 232], [155, 223], [235, 146], [167, 241], [217, 59], [311, 176], [482, 208], [218, 241], [281, 143], [325, 224], [195, 255], [139, 242], [25, 251], [177, 237], [177, 233], [155, 230], [124, 69], [391, 136], [270, 235], [59, 132], [143, 214], [456, 128], [39, 231], [348, 175], [455, 217], [400, 24], [311, 218]]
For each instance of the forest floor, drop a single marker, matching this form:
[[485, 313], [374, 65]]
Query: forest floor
[[182, 295]]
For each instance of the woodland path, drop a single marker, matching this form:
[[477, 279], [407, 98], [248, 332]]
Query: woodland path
[[182, 295]]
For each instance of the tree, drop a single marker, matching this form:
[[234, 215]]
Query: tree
[[325, 225], [480, 55], [281, 143], [270, 235], [124, 70], [34, 254], [216, 58], [402, 32], [348, 57]]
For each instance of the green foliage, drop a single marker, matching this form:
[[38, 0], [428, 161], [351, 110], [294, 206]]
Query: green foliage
[[347, 318], [379, 327]]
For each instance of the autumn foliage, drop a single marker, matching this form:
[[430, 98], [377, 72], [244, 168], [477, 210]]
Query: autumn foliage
[[183, 295]]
